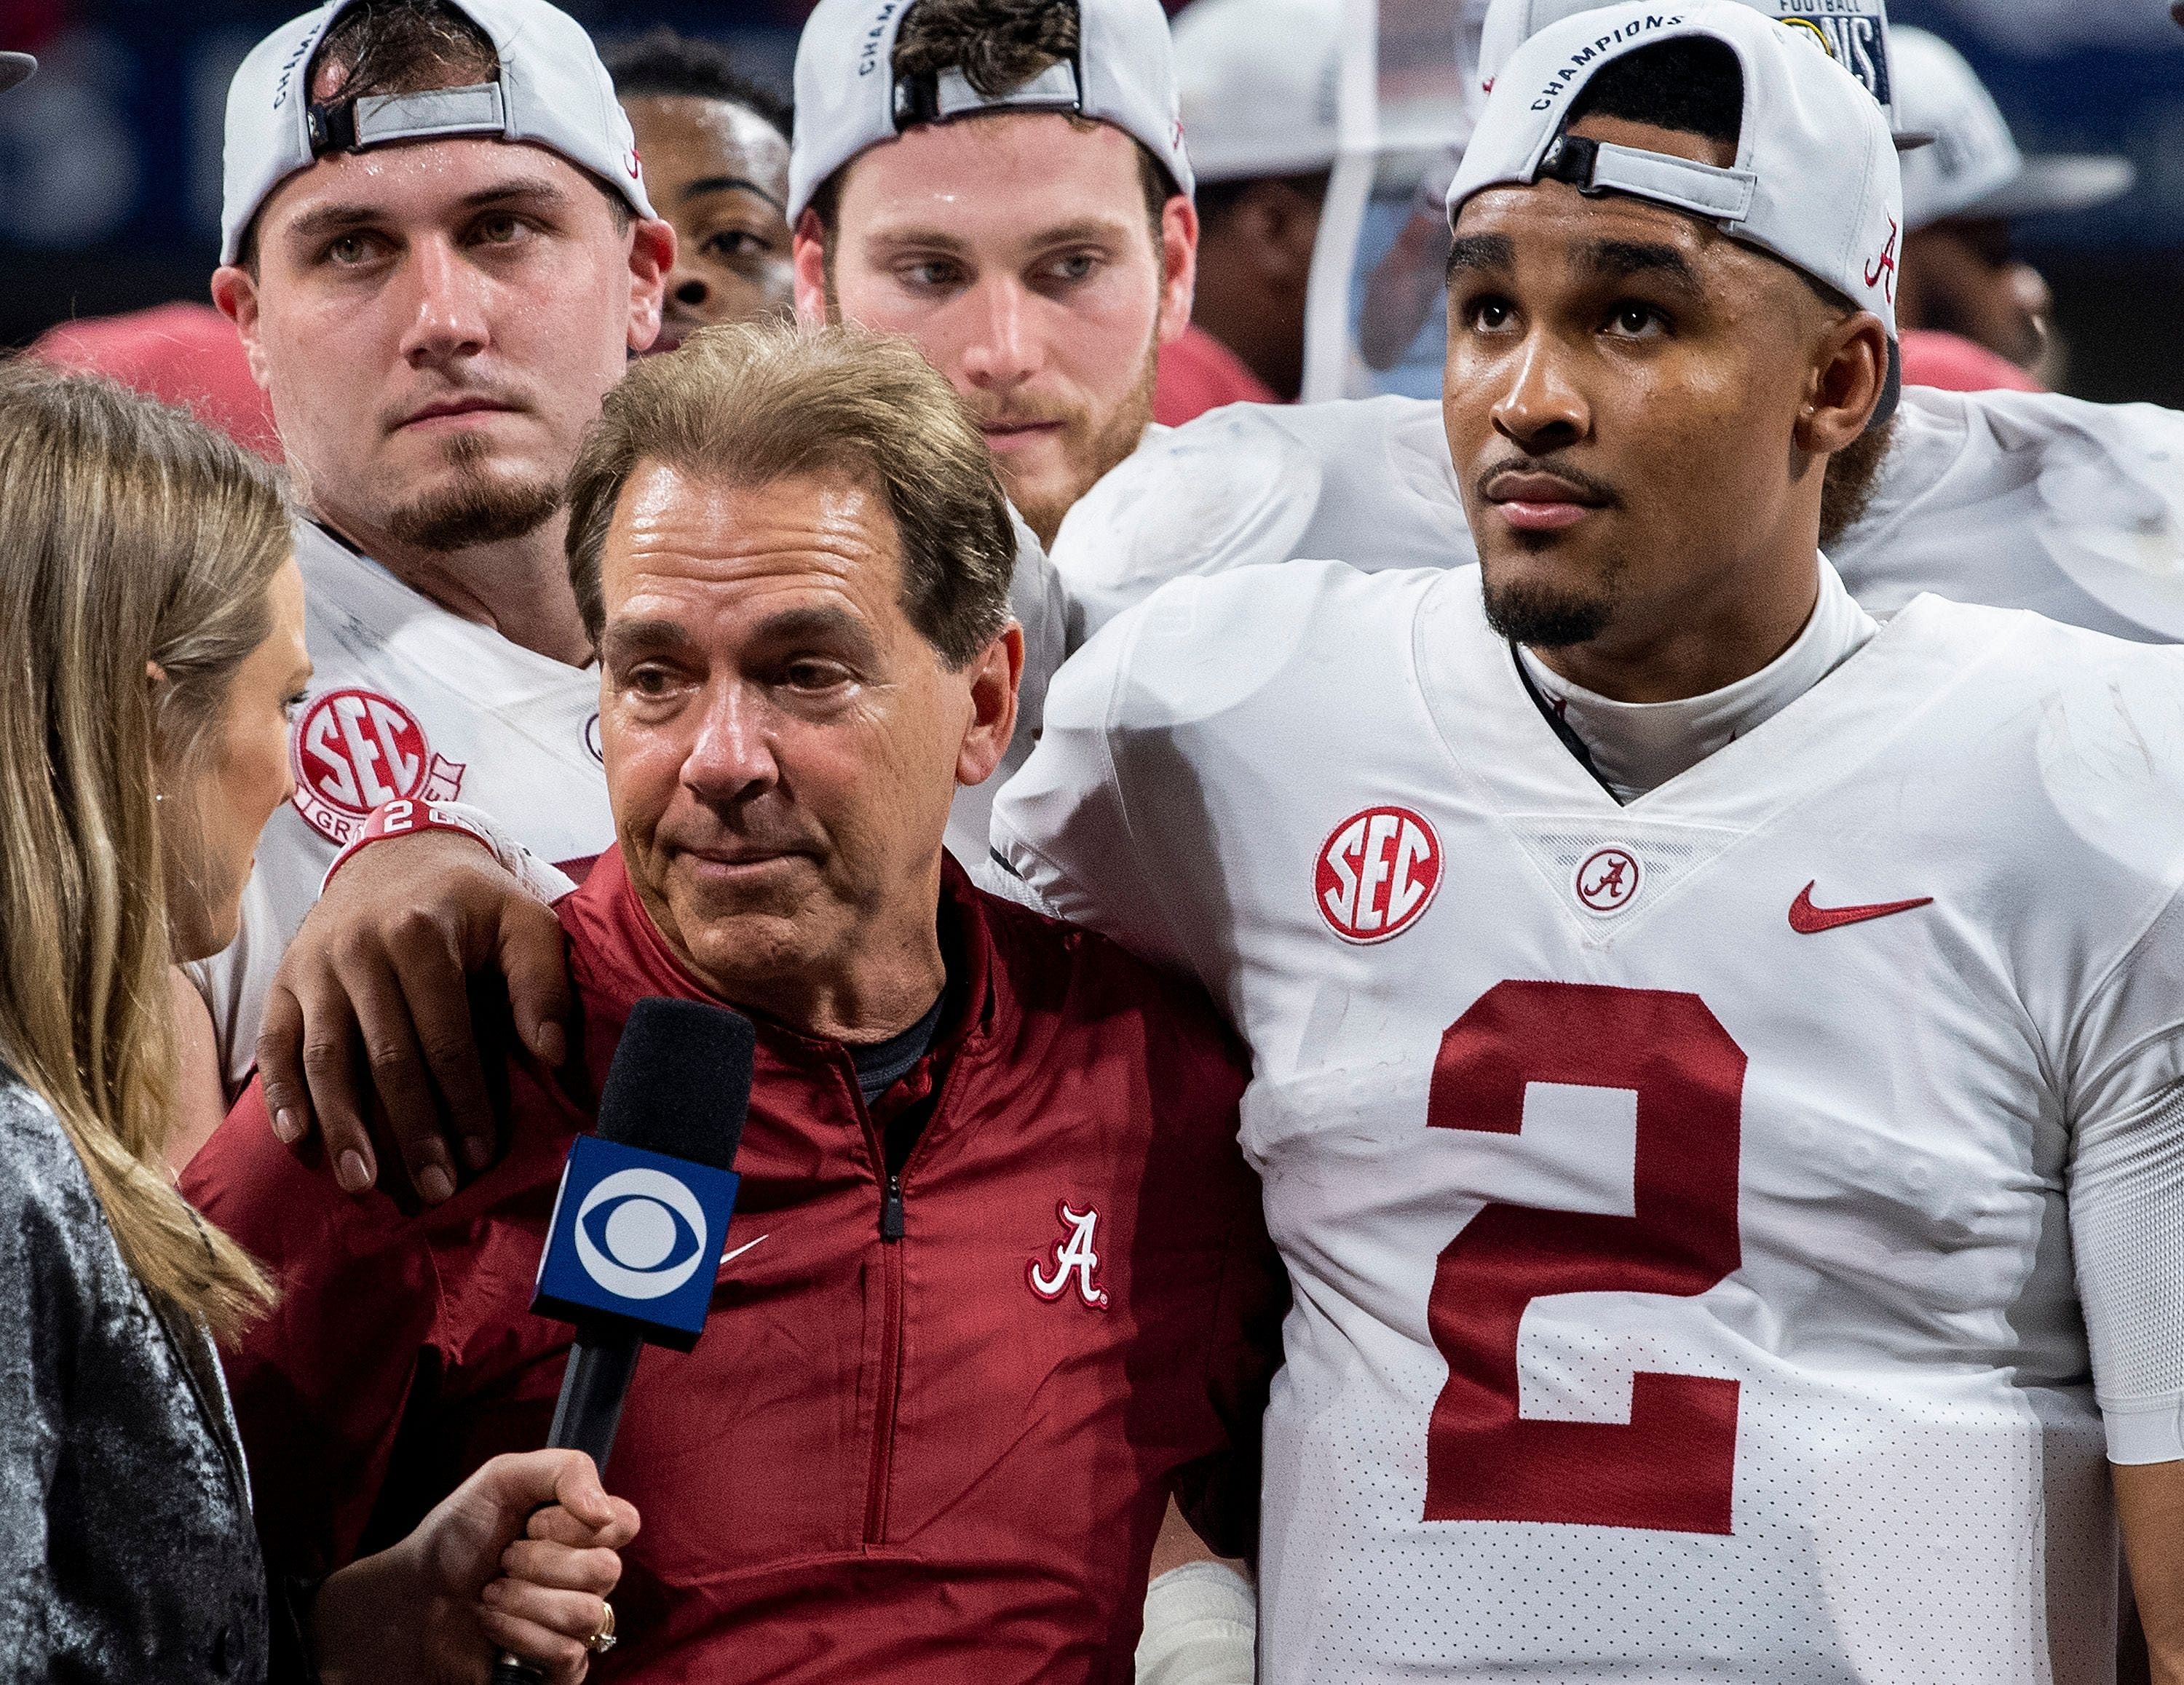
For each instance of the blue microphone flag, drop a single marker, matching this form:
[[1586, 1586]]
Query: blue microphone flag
[[636, 1235]]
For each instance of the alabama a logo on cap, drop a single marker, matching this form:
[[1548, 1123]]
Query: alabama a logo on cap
[[356, 750]]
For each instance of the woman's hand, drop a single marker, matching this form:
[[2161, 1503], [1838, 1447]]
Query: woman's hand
[[519, 1557]]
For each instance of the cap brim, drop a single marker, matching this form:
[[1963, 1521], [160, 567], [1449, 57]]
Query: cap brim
[[15, 68], [2057, 182]]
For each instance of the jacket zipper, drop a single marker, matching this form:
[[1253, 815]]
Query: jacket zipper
[[881, 1474], [890, 1379]]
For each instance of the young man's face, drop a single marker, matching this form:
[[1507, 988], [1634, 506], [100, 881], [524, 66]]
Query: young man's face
[[1629, 402], [720, 175], [435, 324], [1018, 252]]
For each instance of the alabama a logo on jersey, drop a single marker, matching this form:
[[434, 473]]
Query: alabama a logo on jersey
[[357, 750], [1076, 1261]]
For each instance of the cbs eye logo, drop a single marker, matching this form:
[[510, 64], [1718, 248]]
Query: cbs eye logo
[[640, 1234]]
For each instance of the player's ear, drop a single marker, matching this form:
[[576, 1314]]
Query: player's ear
[[1179, 261], [235, 296], [807, 259], [995, 673], [1847, 373], [651, 260]]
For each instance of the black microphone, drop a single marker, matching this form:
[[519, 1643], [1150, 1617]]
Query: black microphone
[[642, 1218]]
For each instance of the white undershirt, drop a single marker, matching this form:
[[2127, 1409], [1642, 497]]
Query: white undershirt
[[1638, 746]]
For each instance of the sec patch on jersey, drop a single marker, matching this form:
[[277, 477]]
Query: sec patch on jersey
[[1377, 874], [355, 750]]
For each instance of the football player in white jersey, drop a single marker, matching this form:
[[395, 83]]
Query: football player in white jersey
[[435, 308], [1718, 1062], [440, 253], [2021, 500]]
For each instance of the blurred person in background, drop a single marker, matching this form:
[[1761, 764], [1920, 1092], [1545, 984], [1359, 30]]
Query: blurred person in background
[[155, 642], [1260, 83], [184, 353], [1976, 315], [715, 147]]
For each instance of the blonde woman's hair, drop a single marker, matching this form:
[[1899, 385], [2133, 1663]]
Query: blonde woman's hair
[[130, 533]]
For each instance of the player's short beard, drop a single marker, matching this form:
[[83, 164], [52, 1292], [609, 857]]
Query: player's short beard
[[477, 508], [1102, 446], [1541, 616], [1851, 476]]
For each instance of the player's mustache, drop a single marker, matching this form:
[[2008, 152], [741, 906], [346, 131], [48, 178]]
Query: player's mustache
[[1017, 416], [1588, 486]]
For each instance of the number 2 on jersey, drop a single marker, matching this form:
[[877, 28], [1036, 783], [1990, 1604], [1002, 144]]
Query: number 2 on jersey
[[1673, 1465]]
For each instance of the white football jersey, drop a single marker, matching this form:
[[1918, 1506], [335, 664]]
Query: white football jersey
[[2018, 499], [1698, 1210], [408, 700]]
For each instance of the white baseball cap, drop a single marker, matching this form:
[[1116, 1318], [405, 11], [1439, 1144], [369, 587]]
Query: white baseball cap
[[1855, 33], [1260, 82], [847, 100], [1815, 182], [14, 68], [1973, 167], [552, 91]]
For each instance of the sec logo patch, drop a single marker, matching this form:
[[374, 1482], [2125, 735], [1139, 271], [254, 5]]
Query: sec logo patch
[[356, 750], [1376, 874]]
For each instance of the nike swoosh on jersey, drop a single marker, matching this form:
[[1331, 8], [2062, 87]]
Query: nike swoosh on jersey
[[1807, 920], [728, 1258]]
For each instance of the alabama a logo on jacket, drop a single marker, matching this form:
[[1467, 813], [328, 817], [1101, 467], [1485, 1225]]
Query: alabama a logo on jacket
[[1075, 1260], [357, 750]]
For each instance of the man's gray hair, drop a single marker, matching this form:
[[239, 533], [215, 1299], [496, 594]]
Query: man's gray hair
[[752, 404]]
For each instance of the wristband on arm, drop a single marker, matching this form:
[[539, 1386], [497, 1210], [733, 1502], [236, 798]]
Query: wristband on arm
[[408, 818], [1202, 1627]]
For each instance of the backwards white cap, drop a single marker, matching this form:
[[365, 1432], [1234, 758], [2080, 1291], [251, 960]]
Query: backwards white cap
[[848, 100], [1815, 181], [1855, 33], [1260, 85], [552, 91], [1973, 167]]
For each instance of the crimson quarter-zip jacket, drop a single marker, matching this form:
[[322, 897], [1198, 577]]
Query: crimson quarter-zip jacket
[[929, 1432]]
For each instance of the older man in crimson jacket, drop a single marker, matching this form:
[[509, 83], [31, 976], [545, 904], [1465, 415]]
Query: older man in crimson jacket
[[998, 1284]]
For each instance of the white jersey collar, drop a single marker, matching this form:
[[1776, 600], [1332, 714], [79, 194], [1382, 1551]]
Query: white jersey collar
[[1638, 746]]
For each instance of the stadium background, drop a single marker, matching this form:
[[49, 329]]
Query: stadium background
[[110, 161]]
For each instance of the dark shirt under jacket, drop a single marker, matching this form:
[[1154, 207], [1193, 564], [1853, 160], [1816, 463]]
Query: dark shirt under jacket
[[126, 1548]]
